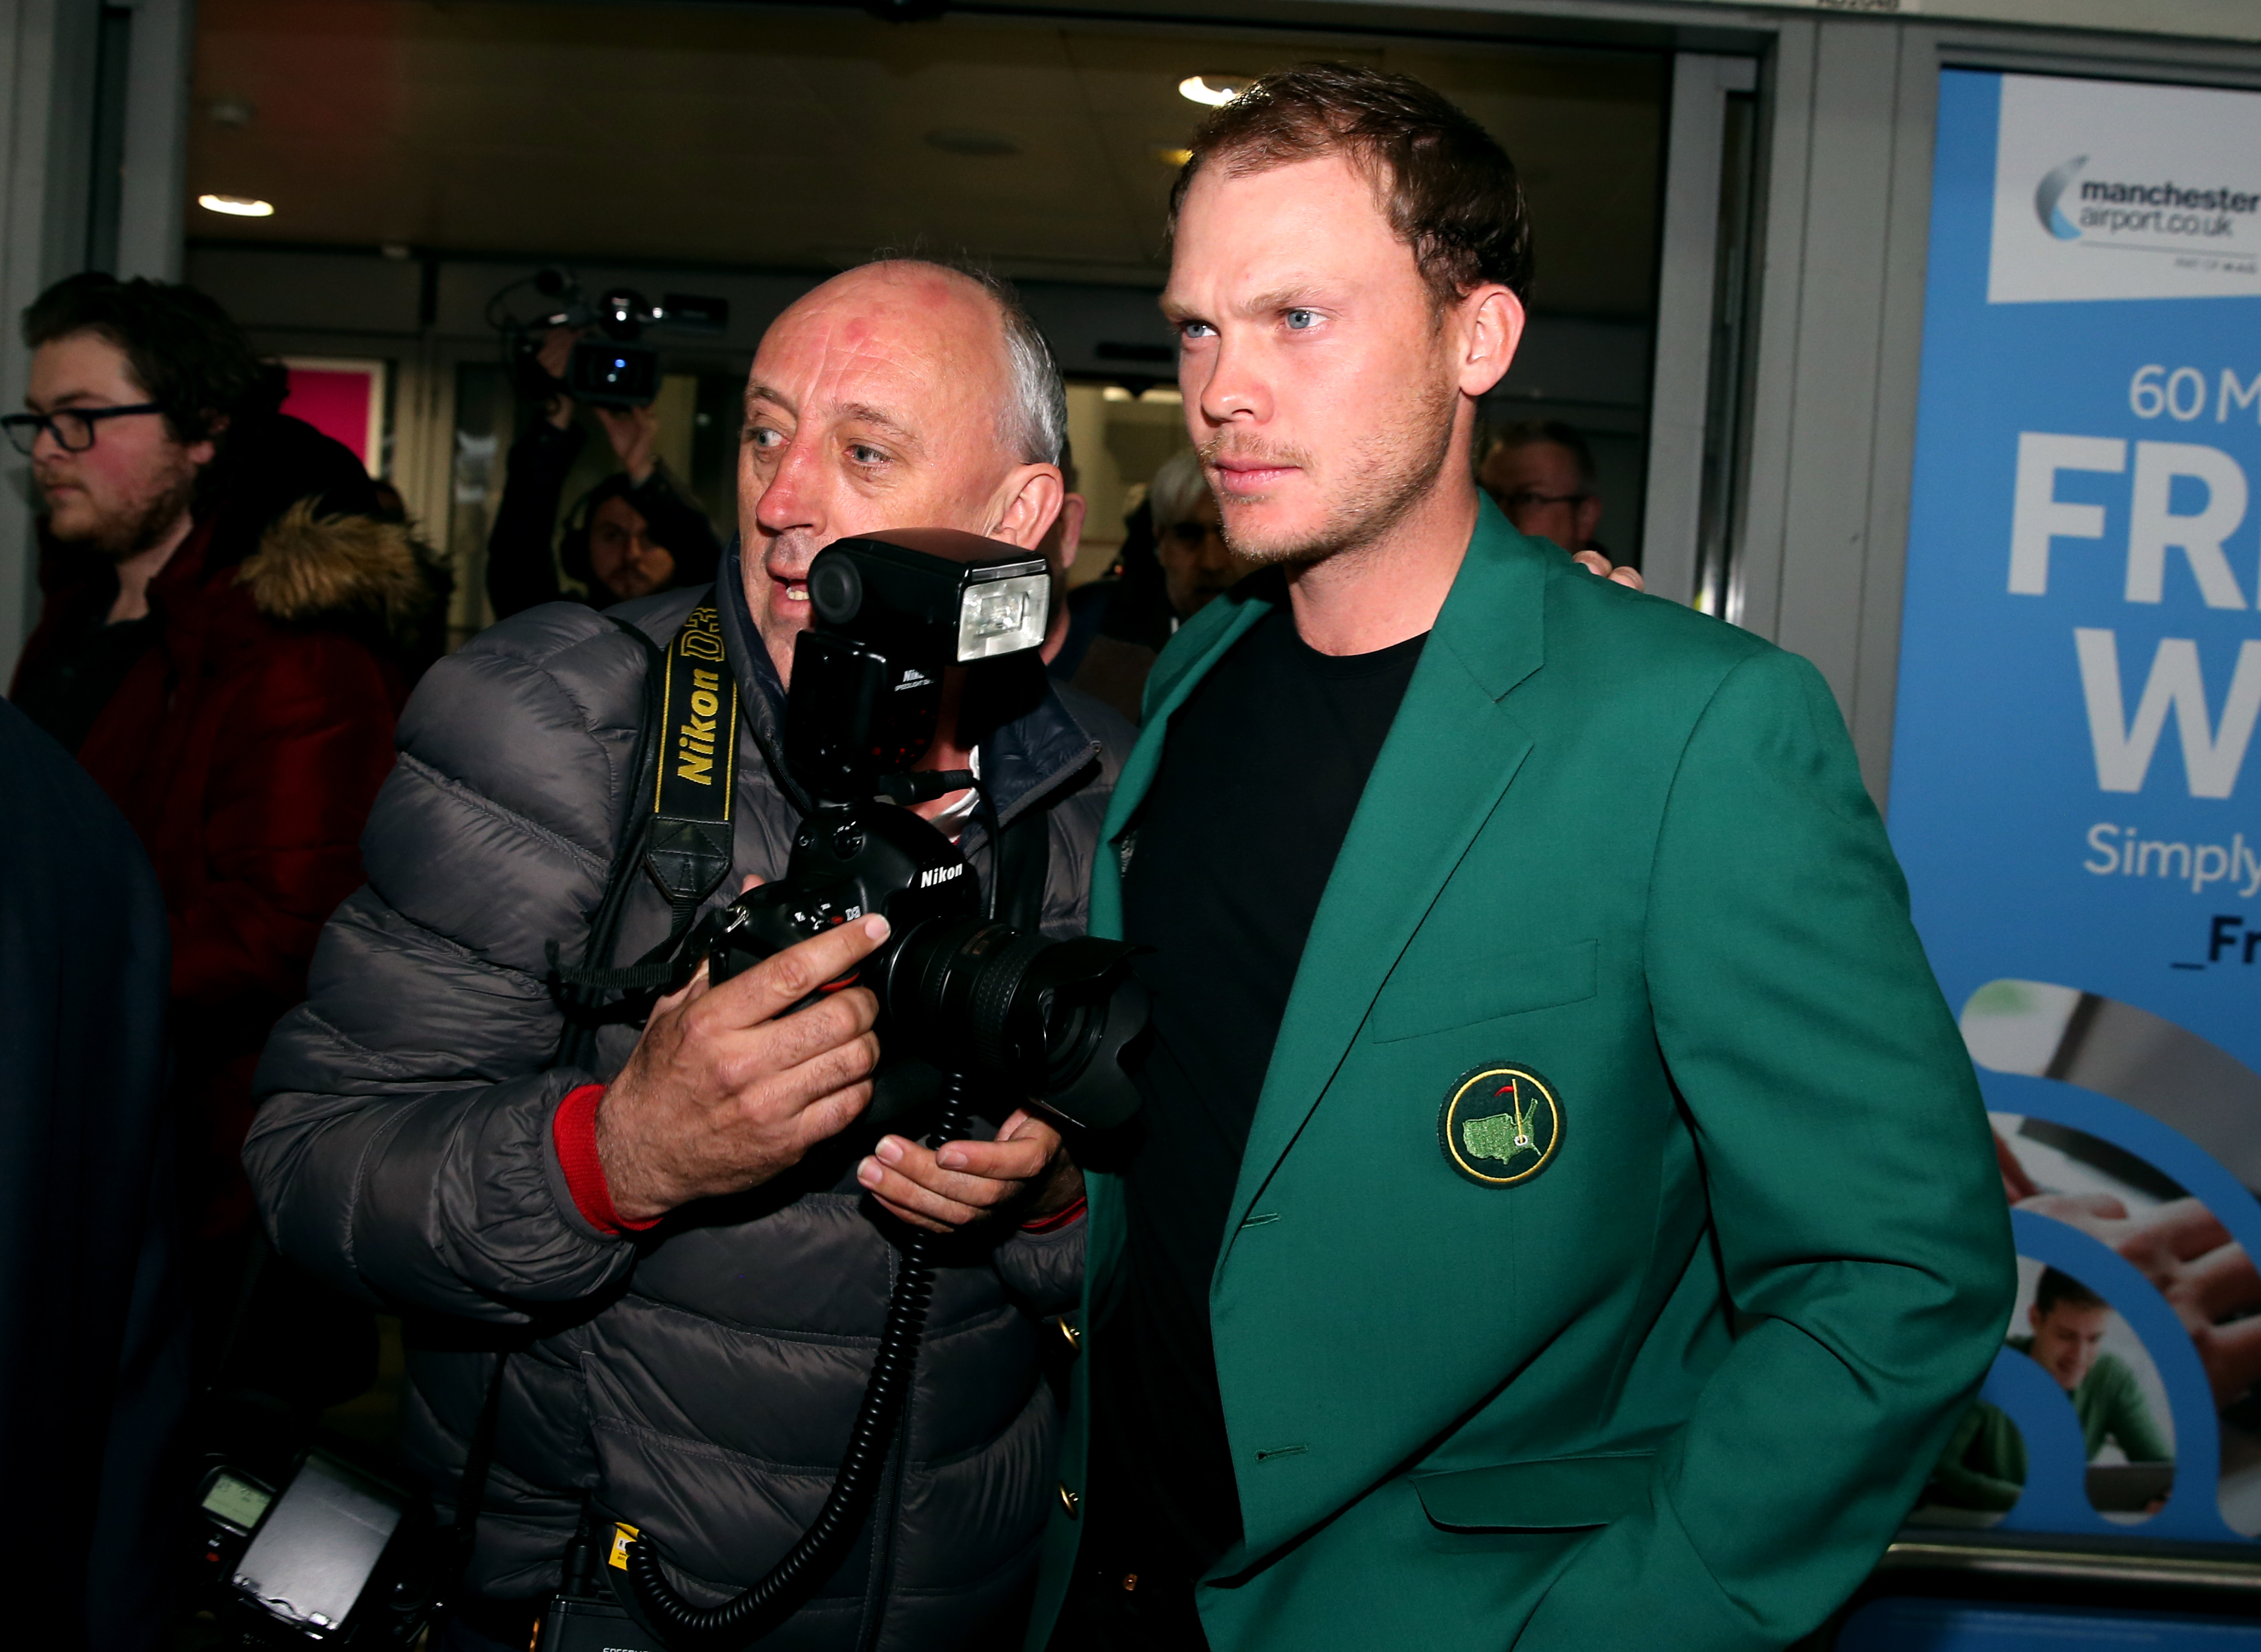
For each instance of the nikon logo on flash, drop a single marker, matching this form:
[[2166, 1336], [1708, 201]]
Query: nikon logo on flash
[[694, 740]]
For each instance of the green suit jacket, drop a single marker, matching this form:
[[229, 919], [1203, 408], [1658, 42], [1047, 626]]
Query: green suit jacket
[[1678, 1386]]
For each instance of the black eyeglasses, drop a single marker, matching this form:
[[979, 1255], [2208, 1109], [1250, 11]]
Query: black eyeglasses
[[1529, 497], [72, 427], [1190, 533]]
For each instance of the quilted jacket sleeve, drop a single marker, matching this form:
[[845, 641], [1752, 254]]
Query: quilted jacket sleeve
[[402, 1146]]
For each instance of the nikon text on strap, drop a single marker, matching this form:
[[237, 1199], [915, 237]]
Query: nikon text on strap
[[680, 831], [689, 850]]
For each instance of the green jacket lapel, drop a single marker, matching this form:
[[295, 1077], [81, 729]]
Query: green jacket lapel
[[1450, 756]]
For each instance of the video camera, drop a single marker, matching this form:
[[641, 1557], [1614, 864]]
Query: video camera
[[610, 369]]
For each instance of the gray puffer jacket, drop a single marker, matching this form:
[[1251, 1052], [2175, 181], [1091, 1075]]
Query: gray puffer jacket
[[697, 1381]]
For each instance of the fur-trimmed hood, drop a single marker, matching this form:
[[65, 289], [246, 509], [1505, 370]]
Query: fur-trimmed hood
[[311, 570]]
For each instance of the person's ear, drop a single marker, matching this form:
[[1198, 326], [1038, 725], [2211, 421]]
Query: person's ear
[[206, 448], [2034, 1318], [1025, 504], [1491, 328], [1073, 507]]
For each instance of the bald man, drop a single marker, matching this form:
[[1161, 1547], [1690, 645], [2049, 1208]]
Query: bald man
[[685, 1236]]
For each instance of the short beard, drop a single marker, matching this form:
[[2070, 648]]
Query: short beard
[[148, 524], [1391, 477]]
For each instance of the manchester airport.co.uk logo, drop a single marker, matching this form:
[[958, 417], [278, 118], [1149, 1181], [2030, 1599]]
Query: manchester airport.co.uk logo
[[2116, 209], [2052, 190]]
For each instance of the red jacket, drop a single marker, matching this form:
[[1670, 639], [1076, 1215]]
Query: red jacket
[[246, 747]]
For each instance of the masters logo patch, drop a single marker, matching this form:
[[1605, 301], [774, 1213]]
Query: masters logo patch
[[1500, 1125]]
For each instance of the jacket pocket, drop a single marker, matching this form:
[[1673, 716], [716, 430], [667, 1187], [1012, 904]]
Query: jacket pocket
[[1561, 1494], [1444, 993]]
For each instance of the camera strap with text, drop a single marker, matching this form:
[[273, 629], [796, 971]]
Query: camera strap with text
[[686, 765], [689, 850]]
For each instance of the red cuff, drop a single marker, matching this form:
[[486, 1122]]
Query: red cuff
[[1058, 1219], [573, 1128]]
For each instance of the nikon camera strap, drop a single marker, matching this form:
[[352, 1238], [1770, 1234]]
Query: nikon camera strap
[[689, 850], [678, 833]]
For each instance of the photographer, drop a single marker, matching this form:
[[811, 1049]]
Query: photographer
[[674, 1238], [631, 535]]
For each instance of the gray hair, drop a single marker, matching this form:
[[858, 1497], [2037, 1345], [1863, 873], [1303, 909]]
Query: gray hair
[[1035, 425], [1177, 490], [1036, 428]]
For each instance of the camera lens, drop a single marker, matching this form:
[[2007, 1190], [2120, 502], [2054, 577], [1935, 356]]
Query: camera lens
[[1040, 1018], [835, 589]]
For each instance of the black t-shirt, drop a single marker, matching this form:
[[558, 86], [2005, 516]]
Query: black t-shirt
[[1263, 770], [68, 693]]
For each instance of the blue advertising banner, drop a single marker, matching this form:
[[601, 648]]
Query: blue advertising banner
[[2075, 791]]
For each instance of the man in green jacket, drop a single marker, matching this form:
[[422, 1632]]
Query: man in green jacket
[[1564, 1216]]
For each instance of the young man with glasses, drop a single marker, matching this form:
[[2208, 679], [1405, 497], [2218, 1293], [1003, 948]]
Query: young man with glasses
[[215, 646]]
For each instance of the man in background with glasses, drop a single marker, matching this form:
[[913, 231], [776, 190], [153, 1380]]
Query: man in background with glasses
[[1541, 473], [217, 646]]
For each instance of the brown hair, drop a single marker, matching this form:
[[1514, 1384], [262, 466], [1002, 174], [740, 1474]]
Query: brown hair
[[183, 351], [1554, 433], [2057, 1289], [1448, 187]]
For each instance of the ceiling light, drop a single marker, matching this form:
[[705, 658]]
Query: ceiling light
[[1116, 393], [1165, 395], [1169, 156], [237, 205], [1216, 90]]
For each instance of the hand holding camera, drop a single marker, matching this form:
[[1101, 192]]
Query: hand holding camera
[[726, 1090], [962, 1182], [633, 432]]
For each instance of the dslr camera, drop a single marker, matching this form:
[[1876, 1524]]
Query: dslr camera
[[960, 992]]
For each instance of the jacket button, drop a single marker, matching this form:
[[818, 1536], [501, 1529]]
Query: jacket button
[[1073, 1337], [1069, 1501]]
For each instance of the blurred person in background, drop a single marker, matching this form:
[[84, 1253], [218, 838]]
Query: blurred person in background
[[1189, 538], [633, 534], [1541, 473], [93, 1355], [1193, 565], [221, 644]]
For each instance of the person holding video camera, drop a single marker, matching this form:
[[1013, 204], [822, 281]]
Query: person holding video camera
[[631, 535], [686, 1240]]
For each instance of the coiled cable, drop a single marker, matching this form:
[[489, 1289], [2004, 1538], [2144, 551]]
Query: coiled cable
[[752, 1613]]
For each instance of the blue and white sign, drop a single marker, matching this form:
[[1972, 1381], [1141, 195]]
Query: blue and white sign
[[2076, 787]]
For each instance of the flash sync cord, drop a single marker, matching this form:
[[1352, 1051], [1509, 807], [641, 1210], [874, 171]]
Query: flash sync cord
[[740, 1621]]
